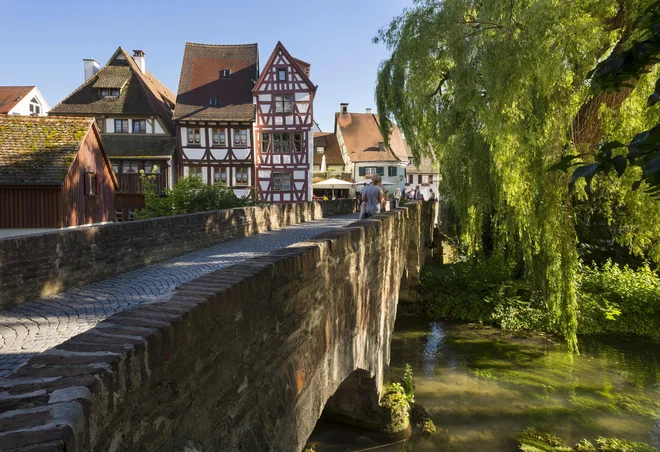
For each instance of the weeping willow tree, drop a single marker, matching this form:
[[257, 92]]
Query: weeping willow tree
[[499, 91]]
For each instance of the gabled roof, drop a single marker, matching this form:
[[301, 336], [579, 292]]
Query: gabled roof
[[201, 79], [301, 66], [332, 152], [12, 95], [37, 150], [362, 137], [141, 94]]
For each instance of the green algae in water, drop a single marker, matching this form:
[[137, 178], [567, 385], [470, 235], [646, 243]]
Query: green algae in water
[[483, 387]]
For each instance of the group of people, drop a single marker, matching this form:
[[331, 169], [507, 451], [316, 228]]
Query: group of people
[[374, 197]]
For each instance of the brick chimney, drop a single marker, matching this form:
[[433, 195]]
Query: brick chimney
[[138, 57], [91, 67]]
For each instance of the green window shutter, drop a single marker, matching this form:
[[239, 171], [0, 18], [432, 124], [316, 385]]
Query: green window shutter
[[361, 171], [380, 170]]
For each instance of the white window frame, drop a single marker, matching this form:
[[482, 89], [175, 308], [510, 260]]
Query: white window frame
[[35, 106]]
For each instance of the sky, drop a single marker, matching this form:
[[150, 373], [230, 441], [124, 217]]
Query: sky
[[44, 41]]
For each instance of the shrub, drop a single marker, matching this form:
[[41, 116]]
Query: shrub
[[612, 299], [189, 195], [620, 300], [482, 290]]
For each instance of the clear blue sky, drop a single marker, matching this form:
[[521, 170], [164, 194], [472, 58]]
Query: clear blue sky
[[44, 41]]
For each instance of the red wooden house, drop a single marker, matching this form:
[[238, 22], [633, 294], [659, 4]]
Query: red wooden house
[[53, 173], [283, 129]]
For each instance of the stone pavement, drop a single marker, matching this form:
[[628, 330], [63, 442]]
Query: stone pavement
[[36, 326]]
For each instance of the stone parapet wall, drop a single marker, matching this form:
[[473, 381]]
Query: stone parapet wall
[[39, 265], [244, 358]]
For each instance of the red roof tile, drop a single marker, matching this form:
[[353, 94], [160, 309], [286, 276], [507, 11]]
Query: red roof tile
[[11, 95], [362, 137], [332, 152], [201, 79]]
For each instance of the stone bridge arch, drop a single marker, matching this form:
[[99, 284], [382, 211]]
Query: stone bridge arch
[[241, 359]]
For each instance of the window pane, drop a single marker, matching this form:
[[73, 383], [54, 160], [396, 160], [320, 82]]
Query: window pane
[[197, 138], [216, 136], [115, 167]]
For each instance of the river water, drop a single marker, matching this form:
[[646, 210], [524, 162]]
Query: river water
[[481, 387]]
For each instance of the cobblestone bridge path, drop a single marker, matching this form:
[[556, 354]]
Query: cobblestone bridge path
[[36, 326]]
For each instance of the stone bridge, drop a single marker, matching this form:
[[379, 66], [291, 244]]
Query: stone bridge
[[243, 358]]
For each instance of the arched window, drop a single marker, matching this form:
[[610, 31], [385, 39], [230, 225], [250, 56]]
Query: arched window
[[35, 107]]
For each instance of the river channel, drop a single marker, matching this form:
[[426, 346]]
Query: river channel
[[482, 387]]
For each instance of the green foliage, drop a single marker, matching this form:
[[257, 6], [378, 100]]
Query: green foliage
[[408, 383], [611, 299], [483, 290], [533, 440], [617, 71], [620, 300], [492, 89], [189, 195]]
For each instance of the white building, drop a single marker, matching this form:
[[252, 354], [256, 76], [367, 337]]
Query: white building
[[364, 150], [22, 100]]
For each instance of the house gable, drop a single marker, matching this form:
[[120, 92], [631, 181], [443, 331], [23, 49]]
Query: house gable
[[297, 70]]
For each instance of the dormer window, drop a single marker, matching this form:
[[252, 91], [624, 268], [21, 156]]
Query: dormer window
[[109, 92], [35, 107], [320, 150], [225, 73], [213, 101]]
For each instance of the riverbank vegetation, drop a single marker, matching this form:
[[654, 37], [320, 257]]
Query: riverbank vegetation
[[504, 94], [610, 298]]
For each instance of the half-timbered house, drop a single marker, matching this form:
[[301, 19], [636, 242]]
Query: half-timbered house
[[284, 136], [214, 114], [133, 112]]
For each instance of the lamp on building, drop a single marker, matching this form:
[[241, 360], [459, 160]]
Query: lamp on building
[[401, 177]]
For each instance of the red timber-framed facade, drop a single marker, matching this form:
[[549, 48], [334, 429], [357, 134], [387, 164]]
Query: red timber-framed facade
[[214, 114], [283, 129]]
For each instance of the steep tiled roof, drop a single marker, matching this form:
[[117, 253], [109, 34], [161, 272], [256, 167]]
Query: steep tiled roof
[[362, 137], [332, 152], [201, 79], [138, 146], [11, 95], [141, 94], [39, 150]]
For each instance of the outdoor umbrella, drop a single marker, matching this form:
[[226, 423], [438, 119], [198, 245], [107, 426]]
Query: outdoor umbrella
[[332, 183]]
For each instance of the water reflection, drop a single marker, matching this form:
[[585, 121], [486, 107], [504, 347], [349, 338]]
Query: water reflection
[[482, 387]]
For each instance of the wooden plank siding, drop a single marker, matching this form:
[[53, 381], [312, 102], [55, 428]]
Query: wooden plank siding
[[79, 208], [30, 207]]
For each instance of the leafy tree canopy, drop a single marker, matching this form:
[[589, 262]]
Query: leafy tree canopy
[[498, 92]]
